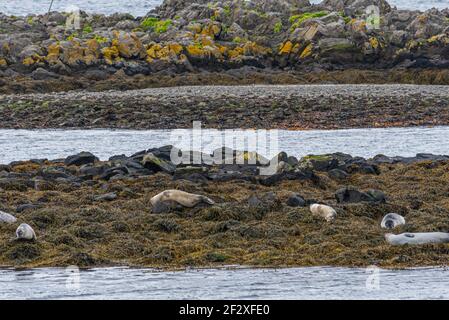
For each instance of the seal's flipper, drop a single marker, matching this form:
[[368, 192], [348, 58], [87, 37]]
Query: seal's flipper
[[409, 235], [207, 200]]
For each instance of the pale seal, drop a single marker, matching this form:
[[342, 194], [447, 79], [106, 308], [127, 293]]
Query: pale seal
[[7, 218], [185, 199], [417, 238], [326, 212], [392, 220], [25, 232]]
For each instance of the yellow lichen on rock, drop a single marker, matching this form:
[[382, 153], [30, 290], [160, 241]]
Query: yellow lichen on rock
[[197, 51], [168, 52], [374, 42], [176, 48], [358, 25], [195, 27], [286, 48], [34, 59], [211, 30], [235, 53], [53, 52], [93, 47], [3, 62], [307, 51], [251, 48], [129, 45], [111, 54]]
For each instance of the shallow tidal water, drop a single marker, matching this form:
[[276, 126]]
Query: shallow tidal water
[[294, 283], [53, 144], [141, 7]]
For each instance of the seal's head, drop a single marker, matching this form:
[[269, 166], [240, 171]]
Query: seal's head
[[389, 224], [331, 216], [20, 233]]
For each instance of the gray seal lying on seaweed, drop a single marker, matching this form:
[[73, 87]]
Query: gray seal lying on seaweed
[[25, 232], [7, 218], [185, 199], [326, 212], [392, 220], [417, 238]]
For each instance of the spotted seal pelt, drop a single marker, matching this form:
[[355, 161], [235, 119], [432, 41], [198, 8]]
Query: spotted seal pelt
[[392, 220], [7, 218], [25, 232], [185, 199], [417, 238], [326, 212]]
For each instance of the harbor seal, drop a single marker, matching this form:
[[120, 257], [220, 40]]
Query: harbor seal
[[185, 199], [7, 218], [417, 238], [326, 212], [25, 232], [392, 220]]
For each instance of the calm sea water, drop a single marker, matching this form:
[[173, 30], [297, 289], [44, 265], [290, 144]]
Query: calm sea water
[[296, 283], [141, 7], [54, 144]]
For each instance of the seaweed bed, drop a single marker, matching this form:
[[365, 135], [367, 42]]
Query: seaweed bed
[[76, 228]]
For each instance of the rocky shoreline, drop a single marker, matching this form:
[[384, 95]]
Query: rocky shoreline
[[185, 41], [89, 213], [291, 107]]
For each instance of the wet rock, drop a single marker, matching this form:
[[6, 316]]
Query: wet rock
[[27, 206], [319, 162], [53, 173], [106, 197], [296, 200], [152, 162], [377, 195], [80, 159], [42, 74], [337, 174], [352, 195], [254, 201]]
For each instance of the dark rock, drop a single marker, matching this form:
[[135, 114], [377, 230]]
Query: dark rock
[[53, 173], [28, 206], [296, 200], [351, 195], [293, 161], [42, 74], [319, 162], [89, 170], [337, 174], [254, 201], [106, 197], [377, 195], [111, 172], [80, 159], [152, 162]]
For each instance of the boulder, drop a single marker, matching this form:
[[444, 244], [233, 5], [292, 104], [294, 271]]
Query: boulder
[[352, 195], [319, 162], [150, 161], [338, 174], [80, 159], [106, 197], [295, 200]]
